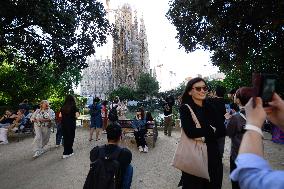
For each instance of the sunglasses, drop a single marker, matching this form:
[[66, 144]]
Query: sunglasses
[[199, 88]]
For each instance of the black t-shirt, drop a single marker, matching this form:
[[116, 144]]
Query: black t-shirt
[[70, 117], [124, 157], [7, 120], [167, 109]]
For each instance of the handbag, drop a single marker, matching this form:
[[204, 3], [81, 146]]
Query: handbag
[[191, 154]]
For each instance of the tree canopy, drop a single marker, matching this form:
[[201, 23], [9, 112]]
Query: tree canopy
[[43, 31], [44, 45], [240, 34], [147, 86]]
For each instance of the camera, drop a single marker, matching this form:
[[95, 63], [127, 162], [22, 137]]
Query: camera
[[264, 86]]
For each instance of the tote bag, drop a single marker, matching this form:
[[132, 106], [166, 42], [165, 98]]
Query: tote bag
[[191, 154]]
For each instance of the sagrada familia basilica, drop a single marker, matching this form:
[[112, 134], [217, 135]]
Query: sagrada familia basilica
[[130, 56]]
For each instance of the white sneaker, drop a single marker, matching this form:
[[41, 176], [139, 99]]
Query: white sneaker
[[37, 154], [140, 149], [56, 146], [4, 142], [67, 156], [146, 149]]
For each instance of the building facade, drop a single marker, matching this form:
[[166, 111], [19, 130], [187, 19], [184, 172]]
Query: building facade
[[97, 78], [130, 56]]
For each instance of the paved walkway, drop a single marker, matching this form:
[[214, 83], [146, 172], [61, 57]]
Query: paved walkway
[[152, 170]]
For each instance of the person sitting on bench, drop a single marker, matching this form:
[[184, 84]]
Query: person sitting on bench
[[139, 124]]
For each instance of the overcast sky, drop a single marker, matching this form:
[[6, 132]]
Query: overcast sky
[[163, 46]]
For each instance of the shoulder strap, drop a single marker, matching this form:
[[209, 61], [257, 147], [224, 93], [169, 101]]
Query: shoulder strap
[[197, 124], [243, 116], [113, 155]]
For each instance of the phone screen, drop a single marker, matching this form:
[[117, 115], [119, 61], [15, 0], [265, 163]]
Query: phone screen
[[268, 89]]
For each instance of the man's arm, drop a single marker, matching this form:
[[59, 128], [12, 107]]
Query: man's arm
[[252, 170]]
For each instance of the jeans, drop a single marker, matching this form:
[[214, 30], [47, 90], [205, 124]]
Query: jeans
[[127, 178], [168, 125], [140, 137], [59, 138]]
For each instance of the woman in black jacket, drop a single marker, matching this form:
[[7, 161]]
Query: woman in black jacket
[[69, 112], [194, 96]]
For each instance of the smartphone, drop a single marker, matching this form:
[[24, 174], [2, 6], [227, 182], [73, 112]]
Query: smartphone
[[264, 86]]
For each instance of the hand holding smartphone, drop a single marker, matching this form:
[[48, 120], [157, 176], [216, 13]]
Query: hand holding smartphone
[[264, 86]]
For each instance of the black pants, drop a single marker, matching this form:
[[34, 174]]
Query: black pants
[[140, 137], [235, 185], [68, 136]]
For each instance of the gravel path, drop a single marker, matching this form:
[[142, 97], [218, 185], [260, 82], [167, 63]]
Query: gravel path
[[151, 171]]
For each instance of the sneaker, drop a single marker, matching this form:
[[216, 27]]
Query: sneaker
[[37, 154], [57, 145], [140, 149], [67, 156], [145, 149], [4, 142]]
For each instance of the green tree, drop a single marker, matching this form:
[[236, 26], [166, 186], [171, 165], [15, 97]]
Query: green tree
[[124, 93], [147, 86], [240, 34], [39, 32], [44, 45]]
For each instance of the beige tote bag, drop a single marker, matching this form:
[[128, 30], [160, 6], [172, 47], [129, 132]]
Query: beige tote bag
[[191, 154]]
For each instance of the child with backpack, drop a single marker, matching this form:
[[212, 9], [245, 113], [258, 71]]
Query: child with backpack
[[110, 164]]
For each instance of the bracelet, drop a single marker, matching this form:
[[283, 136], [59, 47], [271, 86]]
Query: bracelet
[[253, 128]]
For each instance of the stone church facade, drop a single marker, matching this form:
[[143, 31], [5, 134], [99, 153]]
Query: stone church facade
[[130, 57], [97, 78]]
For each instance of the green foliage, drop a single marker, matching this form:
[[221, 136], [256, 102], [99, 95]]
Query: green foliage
[[43, 31], [44, 45], [244, 36], [124, 93], [147, 86]]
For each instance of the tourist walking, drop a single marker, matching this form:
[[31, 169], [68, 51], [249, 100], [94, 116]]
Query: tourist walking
[[168, 116], [96, 119], [69, 112], [104, 114], [236, 130], [42, 119], [194, 96]]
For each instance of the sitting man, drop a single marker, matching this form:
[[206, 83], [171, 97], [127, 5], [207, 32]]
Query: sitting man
[[12, 127], [110, 161], [7, 119]]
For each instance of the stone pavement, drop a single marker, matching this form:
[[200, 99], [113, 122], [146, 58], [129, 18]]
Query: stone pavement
[[151, 171]]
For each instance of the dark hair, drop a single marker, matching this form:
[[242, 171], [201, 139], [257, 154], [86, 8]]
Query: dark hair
[[105, 102], [235, 107], [142, 112], [96, 99], [220, 91], [244, 94], [170, 100], [232, 91], [186, 98], [114, 131], [68, 104], [149, 116]]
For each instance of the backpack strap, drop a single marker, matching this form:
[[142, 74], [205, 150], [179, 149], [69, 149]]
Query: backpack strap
[[113, 155]]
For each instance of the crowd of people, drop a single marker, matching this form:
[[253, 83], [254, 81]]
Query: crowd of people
[[241, 120]]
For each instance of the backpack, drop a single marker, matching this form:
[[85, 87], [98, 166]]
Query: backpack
[[112, 115], [105, 171]]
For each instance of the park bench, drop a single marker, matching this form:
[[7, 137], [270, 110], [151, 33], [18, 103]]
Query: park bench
[[128, 131]]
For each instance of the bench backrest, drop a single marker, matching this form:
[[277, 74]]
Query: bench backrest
[[128, 124]]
